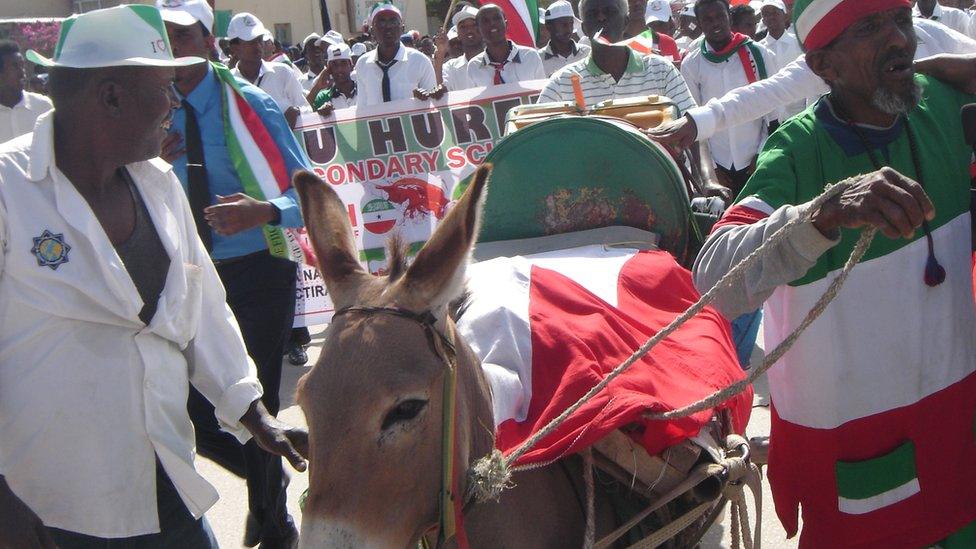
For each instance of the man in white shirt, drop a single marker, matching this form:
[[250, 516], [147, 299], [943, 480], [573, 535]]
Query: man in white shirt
[[342, 93], [561, 50], [783, 43], [726, 61], [503, 61], [794, 82], [392, 71], [454, 72], [246, 34], [97, 442], [953, 18], [19, 109], [314, 55]]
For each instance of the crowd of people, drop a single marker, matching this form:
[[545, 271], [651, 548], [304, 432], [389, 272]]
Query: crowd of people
[[146, 300]]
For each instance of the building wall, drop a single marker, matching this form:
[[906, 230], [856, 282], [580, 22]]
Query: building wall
[[303, 16], [10, 9]]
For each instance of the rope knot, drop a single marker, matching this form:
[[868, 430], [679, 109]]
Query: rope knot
[[488, 477]]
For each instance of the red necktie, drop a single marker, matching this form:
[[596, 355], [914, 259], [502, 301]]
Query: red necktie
[[498, 71]]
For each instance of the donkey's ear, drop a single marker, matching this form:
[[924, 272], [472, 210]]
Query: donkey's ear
[[437, 274], [331, 235]]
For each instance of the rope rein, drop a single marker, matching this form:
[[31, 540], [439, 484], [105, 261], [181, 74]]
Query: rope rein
[[495, 473]]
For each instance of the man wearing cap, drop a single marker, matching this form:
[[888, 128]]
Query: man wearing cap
[[724, 61], [237, 176], [101, 270], [783, 43], [657, 18], [392, 71], [688, 30], [314, 60], [454, 72], [873, 410], [342, 93], [503, 61], [954, 18], [246, 34], [561, 50], [615, 71], [19, 109]]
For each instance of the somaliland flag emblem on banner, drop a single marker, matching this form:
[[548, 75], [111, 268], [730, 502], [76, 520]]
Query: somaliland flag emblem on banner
[[523, 19]]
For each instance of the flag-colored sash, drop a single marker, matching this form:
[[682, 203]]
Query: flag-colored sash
[[257, 159], [749, 55]]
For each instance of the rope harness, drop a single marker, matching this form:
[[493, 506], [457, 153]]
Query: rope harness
[[449, 507], [491, 474]]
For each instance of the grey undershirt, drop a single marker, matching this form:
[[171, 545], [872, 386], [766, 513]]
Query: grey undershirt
[[144, 256]]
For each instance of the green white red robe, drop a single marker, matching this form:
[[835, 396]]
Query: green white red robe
[[874, 408]]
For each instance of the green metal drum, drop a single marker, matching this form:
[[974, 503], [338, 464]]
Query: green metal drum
[[572, 174]]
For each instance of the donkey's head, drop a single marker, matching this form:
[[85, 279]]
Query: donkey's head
[[373, 401]]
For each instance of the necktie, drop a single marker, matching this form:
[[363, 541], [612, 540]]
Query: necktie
[[385, 67], [498, 71], [197, 187]]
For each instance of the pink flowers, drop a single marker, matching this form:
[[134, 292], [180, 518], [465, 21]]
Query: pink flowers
[[39, 36]]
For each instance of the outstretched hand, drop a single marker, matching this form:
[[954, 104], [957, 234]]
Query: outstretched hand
[[276, 437], [677, 135], [238, 212]]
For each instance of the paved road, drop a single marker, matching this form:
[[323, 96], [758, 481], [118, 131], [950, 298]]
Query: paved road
[[227, 516]]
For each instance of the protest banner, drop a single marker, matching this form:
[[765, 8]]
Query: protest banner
[[397, 167]]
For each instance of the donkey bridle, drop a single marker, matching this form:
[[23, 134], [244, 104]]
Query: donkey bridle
[[445, 350]]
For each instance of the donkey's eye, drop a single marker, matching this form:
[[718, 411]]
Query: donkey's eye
[[403, 411]]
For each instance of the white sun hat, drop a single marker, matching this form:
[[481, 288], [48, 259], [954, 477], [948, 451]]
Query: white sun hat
[[246, 27], [381, 8], [657, 10], [358, 49], [774, 3], [114, 37], [339, 51], [187, 12], [330, 38], [559, 10], [463, 14]]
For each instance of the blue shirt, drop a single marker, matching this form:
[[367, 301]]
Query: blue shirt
[[221, 175]]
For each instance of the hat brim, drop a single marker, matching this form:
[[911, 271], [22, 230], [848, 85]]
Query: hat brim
[[39, 59], [178, 17], [256, 32]]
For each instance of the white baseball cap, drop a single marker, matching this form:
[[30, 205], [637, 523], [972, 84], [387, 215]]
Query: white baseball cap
[[314, 37], [559, 10], [774, 3], [380, 8], [339, 51], [358, 49], [187, 12], [126, 35], [331, 37], [657, 10], [463, 14], [688, 11], [245, 26]]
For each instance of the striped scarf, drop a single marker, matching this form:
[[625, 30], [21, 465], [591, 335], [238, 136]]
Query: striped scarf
[[749, 55], [258, 161]]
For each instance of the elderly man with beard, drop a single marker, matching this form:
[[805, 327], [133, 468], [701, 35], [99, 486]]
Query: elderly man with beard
[[102, 269], [873, 407]]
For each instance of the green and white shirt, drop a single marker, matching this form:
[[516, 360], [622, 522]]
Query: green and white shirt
[[644, 75]]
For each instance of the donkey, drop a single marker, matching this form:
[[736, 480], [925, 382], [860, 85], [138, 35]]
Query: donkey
[[374, 402]]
